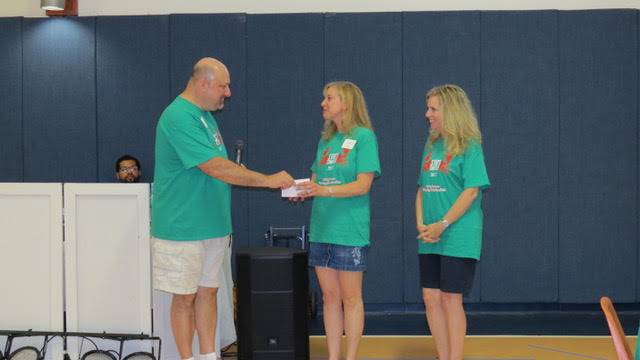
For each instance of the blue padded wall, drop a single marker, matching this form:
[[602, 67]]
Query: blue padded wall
[[437, 48], [520, 128], [598, 155], [59, 106], [11, 99], [222, 37], [284, 79], [556, 93], [638, 168], [353, 52], [132, 62]]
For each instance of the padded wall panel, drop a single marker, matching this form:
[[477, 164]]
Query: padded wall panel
[[520, 128], [598, 155], [11, 99], [352, 52], [597, 63], [59, 107], [438, 48], [222, 37], [284, 79], [132, 63]]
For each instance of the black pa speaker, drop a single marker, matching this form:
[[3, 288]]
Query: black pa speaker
[[272, 290]]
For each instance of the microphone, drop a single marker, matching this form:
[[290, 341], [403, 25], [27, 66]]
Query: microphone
[[239, 147]]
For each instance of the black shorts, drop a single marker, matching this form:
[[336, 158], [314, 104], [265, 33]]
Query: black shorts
[[449, 274]]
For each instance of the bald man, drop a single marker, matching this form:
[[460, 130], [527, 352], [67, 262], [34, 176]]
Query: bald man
[[191, 212]]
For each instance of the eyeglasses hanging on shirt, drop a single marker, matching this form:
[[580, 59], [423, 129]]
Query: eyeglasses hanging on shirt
[[214, 136]]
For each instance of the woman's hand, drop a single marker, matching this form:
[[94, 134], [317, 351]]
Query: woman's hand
[[430, 233], [308, 189]]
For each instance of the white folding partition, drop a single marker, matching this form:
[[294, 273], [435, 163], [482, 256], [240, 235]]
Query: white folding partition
[[31, 261], [104, 281], [107, 262]]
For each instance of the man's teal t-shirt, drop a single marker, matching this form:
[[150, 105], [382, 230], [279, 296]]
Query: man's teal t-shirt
[[187, 203], [442, 179], [343, 221]]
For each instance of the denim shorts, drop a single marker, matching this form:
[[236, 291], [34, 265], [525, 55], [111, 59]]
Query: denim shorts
[[338, 257]]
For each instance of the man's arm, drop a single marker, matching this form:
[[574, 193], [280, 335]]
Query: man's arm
[[229, 172]]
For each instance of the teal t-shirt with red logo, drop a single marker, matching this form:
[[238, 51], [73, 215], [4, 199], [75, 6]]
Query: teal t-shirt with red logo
[[343, 221], [187, 203], [442, 179]]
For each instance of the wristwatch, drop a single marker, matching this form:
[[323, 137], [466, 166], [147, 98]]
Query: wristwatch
[[445, 223]]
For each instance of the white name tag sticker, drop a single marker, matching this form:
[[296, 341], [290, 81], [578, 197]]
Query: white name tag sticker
[[348, 144]]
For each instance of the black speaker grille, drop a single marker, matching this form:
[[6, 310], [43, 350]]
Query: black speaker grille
[[273, 321], [272, 274], [272, 291], [279, 355]]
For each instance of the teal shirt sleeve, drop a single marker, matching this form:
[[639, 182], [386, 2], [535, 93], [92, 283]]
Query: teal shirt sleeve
[[367, 159], [421, 170], [192, 142], [474, 169], [314, 166]]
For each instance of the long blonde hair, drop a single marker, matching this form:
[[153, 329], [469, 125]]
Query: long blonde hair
[[356, 113], [459, 122]]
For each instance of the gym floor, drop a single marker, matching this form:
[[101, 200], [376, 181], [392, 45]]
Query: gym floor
[[548, 335], [554, 323]]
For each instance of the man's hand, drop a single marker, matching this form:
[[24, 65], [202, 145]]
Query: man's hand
[[231, 173], [281, 180]]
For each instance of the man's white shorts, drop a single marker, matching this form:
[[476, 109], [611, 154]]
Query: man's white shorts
[[179, 267]]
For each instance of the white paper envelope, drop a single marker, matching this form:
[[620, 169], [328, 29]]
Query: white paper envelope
[[292, 191]]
